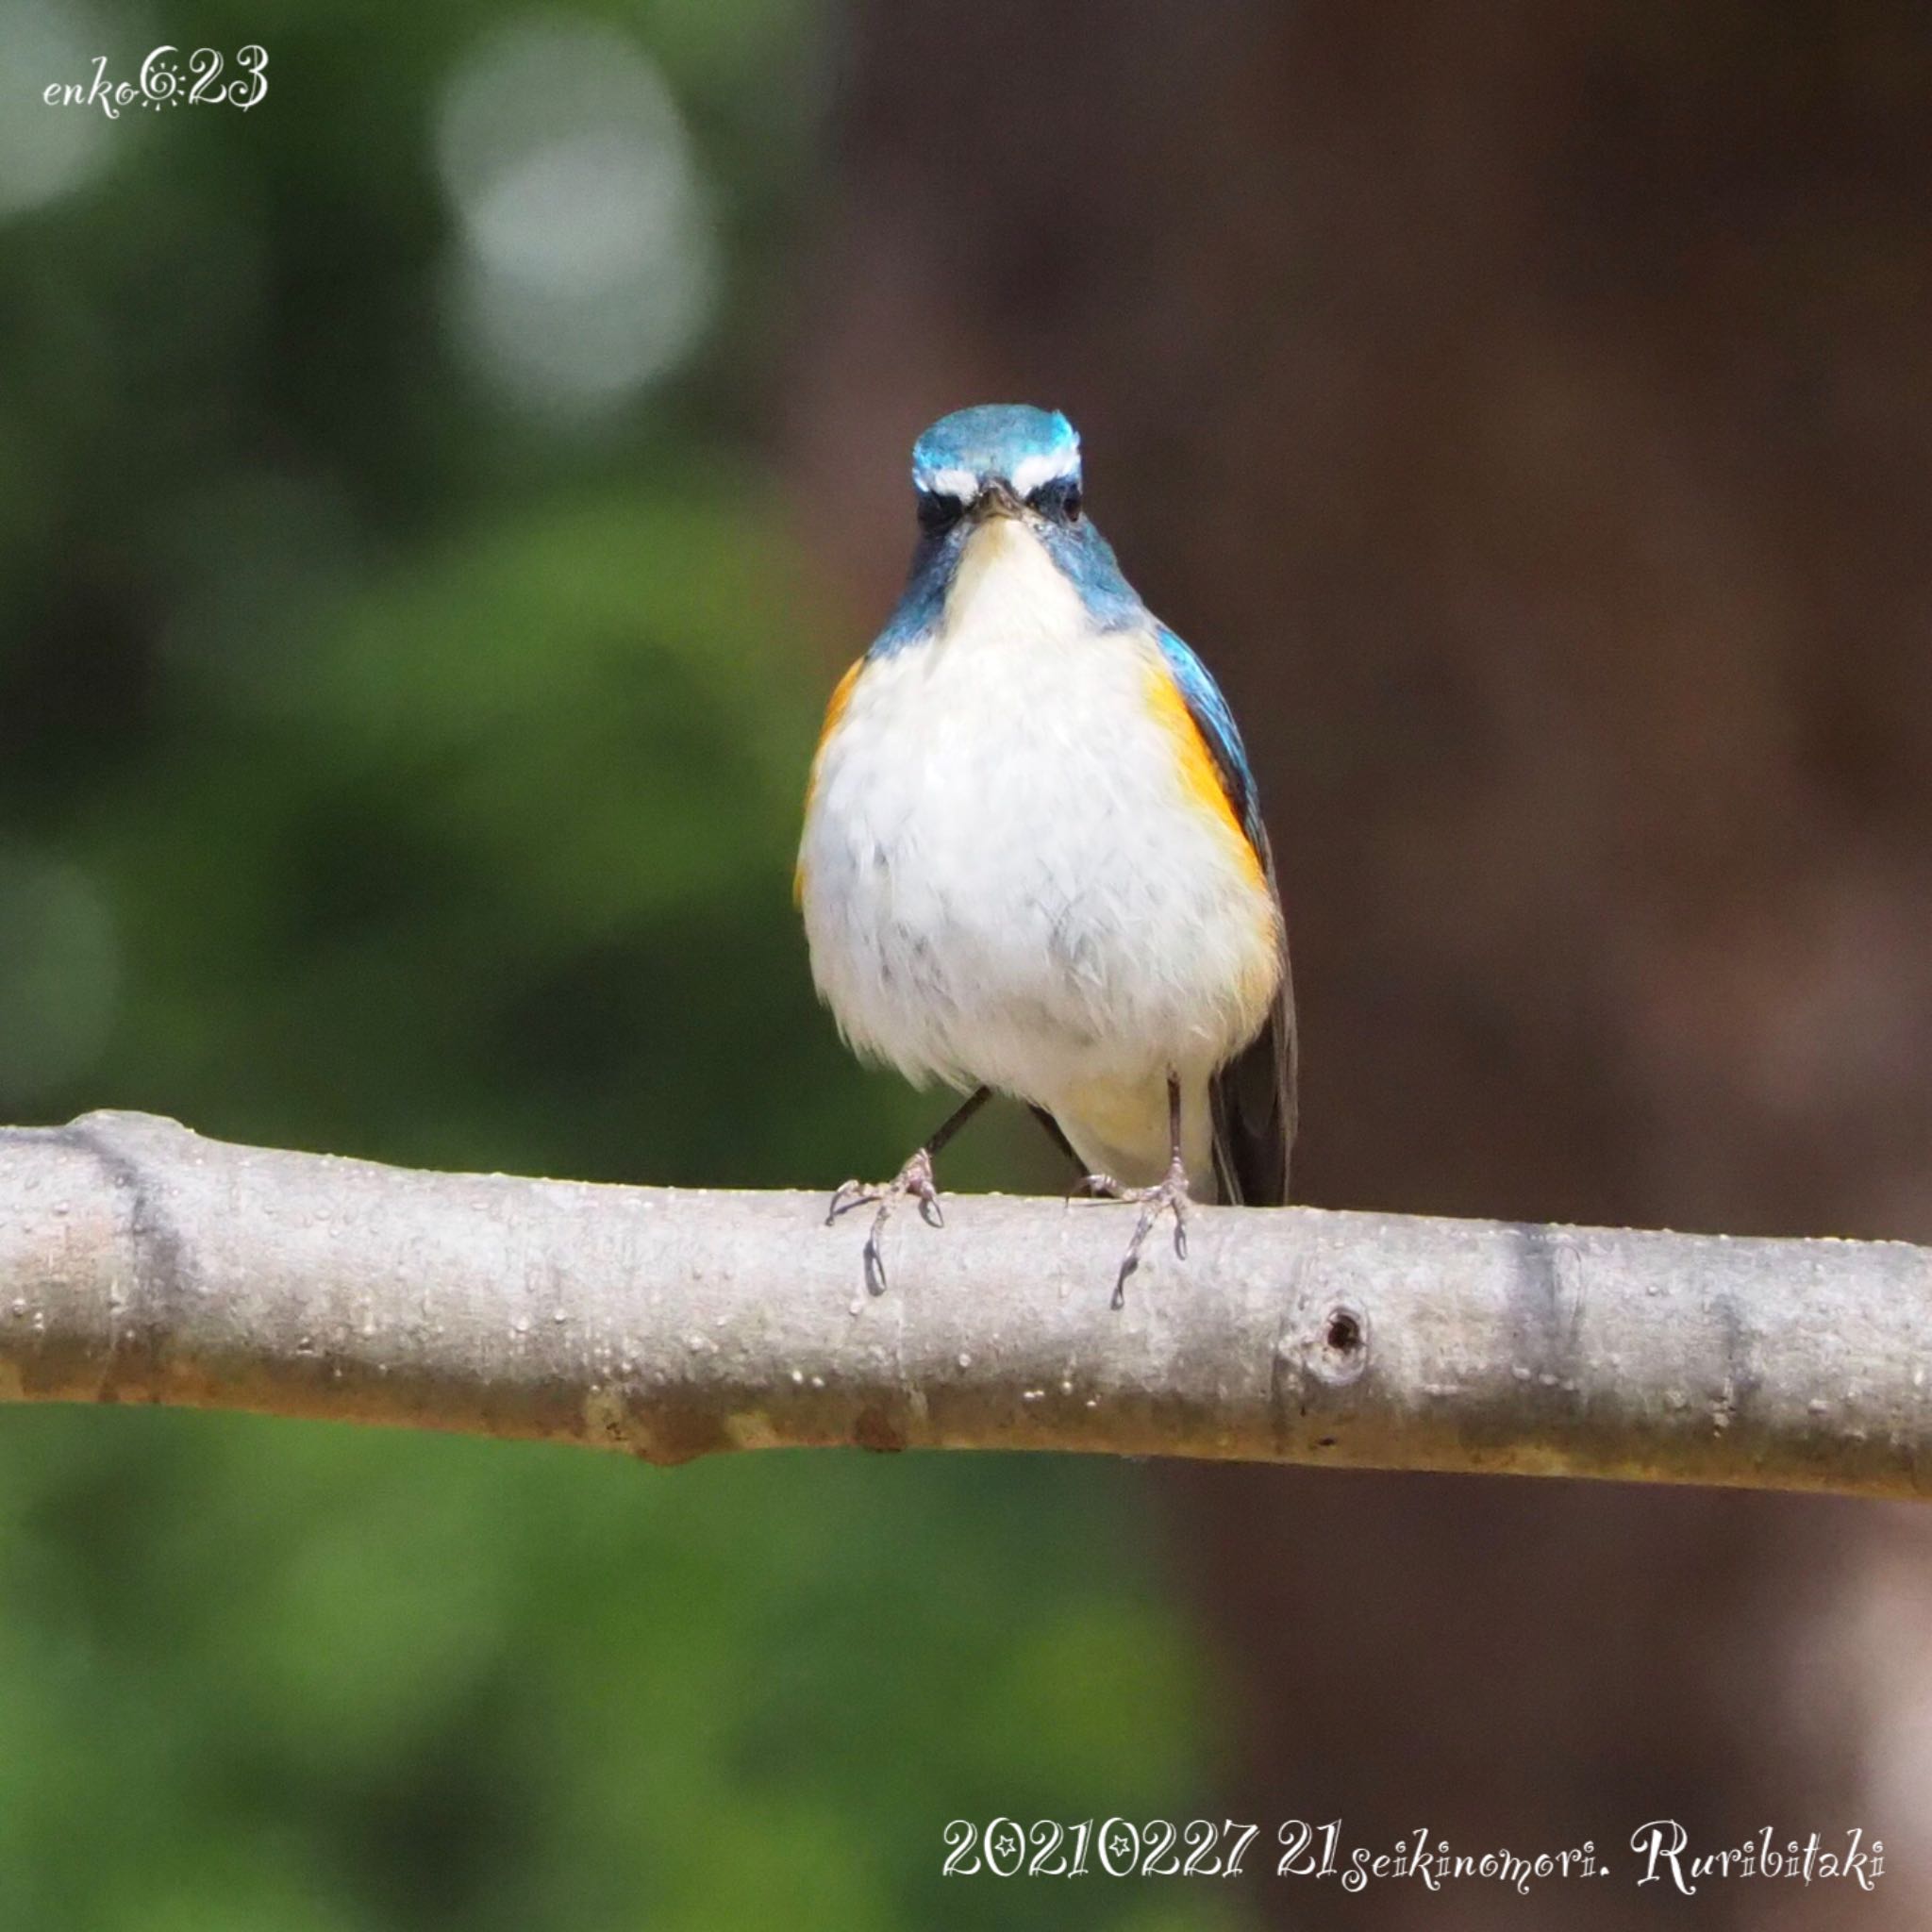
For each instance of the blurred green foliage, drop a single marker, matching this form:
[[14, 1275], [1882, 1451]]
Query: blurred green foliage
[[388, 768]]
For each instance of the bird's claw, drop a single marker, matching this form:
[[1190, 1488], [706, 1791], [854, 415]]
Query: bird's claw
[[1170, 1193], [913, 1179]]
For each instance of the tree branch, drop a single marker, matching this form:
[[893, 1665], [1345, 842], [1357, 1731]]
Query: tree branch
[[140, 1263]]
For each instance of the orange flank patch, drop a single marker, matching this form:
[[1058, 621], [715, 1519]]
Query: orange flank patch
[[1200, 775], [842, 696], [835, 709]]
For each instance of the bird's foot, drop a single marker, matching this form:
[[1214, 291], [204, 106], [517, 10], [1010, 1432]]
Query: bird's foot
[[1164, 1195], [913, 1181]]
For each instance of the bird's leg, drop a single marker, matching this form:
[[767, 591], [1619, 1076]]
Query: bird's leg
[[914, 1179], [1170, 1193]]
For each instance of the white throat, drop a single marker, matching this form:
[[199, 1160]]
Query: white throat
[[1007, 589]]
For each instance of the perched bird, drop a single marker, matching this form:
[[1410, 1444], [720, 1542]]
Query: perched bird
[[1033, 860]]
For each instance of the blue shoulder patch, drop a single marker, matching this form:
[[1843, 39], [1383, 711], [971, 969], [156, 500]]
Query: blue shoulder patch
[[1215, 722], [1086, 559], [935, 557]]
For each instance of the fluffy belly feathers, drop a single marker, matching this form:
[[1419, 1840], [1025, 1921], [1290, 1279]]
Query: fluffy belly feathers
[[1018, 871]]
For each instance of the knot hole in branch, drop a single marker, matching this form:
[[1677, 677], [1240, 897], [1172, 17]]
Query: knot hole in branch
[[1341, 1343]]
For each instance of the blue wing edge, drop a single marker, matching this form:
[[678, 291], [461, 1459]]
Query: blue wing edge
[[1252, 1098]]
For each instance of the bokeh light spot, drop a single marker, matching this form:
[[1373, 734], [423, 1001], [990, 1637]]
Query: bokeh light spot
[[46, 152], [588, 257]]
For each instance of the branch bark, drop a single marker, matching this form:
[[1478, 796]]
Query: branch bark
[[140, 1263]]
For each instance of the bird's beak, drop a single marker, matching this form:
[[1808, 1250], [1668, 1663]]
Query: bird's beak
[[995, 500]]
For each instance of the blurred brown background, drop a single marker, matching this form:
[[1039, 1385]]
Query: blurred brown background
[[1527, 414]]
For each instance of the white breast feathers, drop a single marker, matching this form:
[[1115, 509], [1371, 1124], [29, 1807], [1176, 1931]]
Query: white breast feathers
[[1017, 869]]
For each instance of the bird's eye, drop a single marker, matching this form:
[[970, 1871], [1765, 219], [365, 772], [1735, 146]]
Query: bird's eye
[[1060, 499], [937, 511]]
